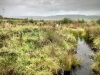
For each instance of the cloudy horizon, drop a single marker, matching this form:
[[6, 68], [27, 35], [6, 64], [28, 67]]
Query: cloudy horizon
[[49, 7]]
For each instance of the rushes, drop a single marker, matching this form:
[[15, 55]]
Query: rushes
[[69, 61], [42, 51], [96, 43], [96, 65]]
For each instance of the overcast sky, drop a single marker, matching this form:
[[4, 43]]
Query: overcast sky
[[49, 7]]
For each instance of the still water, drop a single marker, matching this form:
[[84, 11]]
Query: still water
[[83, 52]]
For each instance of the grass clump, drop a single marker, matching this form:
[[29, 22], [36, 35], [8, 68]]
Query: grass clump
[[69, 61], [96, 43], [96, 64], [93, 31], [80, 32], [36, 50]]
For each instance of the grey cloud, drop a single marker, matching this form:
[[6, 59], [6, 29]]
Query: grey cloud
[[35, 7], [46, 2]]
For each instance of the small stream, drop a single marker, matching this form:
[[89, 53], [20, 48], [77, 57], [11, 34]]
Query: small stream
[[83, 52]]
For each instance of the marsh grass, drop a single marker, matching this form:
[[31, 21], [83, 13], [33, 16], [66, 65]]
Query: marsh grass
[[30, 47], [94, 36], [96, 64], [70, 61], [96, 43], [28, 50]]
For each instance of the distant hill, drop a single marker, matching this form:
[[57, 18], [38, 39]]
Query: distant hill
[[58, 17]]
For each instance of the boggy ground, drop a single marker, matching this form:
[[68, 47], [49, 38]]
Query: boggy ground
[[42, 48]]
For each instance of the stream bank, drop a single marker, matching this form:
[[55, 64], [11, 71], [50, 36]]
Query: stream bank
[[83, 53]]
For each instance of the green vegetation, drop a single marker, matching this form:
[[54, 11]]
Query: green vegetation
[[36, 50], [81, 21], [96, 64], [65, 21], [1, 16], [10, 21], [31, 21], [25, 20], [97, 43], [37, 47], [0, 21], [98, 21], [93, 33]]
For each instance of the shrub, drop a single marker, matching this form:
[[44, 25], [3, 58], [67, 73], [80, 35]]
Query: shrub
[[10, 21], [0, 21], [41, 20], [65, 20], [32, 21], [81, 21], [25, 20], [1, 16], [98, 21]]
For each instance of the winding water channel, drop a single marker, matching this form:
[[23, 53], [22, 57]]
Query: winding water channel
[[83, 52]]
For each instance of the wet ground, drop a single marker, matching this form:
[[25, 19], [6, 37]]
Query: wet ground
[[83, 52]]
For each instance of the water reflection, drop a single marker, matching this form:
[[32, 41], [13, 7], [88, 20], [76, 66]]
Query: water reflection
[[83, 52]]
